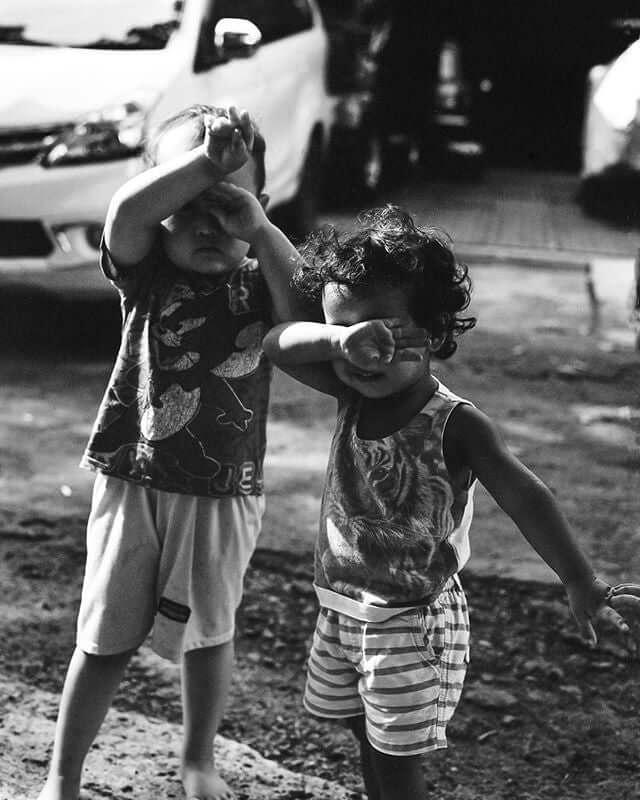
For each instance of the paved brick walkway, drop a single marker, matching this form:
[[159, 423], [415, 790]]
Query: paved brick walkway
[[519, 212], [513, 216]]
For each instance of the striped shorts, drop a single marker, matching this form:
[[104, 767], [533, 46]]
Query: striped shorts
[[405, 674]]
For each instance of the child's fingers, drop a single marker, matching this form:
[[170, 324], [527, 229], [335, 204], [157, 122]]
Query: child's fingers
[[406, 334], [586, 630], [219, 126], [610, 615], [414, 338], [408, 355], [234, 116], [242, 127], [625, 589], [228, 191], [237, 140], [630, 601], [623, 601], [247, 129], [626, 604], [386, 352], [222, 188], [395, 323], [391, 322]]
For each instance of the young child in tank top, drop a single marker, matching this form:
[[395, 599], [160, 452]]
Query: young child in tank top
[[390, 649]]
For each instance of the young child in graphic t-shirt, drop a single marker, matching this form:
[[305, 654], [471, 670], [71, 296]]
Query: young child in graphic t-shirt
[[179, 439]]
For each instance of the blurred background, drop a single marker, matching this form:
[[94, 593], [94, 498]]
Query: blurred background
[[513, 125], [525, 112]]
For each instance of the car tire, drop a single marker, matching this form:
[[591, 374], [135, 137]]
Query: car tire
[[298, 217]]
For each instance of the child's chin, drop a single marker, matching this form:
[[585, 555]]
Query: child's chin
[[211, 268], [373, 389]]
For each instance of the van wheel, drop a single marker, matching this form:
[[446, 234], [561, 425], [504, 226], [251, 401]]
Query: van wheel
[[299, 217]]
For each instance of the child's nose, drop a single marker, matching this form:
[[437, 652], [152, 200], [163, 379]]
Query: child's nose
[[207, 225]]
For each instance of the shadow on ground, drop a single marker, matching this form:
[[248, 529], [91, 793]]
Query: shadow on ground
[[34, 323]]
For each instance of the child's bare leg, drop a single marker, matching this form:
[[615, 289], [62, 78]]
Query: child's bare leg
[[205, 685], [88, 691], [356, 725], [388, 777], [399, 777]]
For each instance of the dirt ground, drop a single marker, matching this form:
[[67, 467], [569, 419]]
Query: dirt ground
[[541, 715]]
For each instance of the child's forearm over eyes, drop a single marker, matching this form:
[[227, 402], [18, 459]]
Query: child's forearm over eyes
[[297, 343], [142, 203], [158, 192]]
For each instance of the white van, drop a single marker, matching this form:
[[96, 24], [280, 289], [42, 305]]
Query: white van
[[84, 82]]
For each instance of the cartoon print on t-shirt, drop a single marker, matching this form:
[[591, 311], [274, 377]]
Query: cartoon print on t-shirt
[[184, 351], [241, 362], [196, 361]]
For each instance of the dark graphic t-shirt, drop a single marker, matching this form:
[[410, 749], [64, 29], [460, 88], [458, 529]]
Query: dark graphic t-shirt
[[186, 405]]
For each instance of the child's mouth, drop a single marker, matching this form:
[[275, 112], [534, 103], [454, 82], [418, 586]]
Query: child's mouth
[[361, 375]]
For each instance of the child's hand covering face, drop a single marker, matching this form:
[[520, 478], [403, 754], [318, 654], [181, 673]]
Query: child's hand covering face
[[375, 343], [228, 141], [239, 212]]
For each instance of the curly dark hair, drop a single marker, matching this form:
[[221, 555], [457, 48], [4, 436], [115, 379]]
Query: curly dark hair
[[388, 248], [196, 114]]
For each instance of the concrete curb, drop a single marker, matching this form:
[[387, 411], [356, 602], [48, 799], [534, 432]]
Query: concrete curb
[[609, 281], [517, 256], [133, 756]]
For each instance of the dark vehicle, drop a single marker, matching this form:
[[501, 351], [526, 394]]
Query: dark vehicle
[[357, 33], [456, 144], [403, 102]]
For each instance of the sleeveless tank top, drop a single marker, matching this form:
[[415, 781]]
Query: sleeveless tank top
[[393, 527]]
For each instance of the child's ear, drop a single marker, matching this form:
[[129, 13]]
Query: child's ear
[[433, 344], [263, 200]]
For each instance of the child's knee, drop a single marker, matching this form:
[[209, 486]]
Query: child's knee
[[106, 658]]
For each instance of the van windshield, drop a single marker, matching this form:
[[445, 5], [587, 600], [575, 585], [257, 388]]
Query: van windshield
[[101, 25]]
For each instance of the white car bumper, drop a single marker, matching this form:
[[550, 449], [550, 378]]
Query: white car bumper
[[50, 225]]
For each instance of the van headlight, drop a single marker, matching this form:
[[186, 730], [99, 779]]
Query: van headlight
[[112, 133]]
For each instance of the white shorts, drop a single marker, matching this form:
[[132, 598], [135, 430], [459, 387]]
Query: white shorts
[[404, 674], [162, 563]]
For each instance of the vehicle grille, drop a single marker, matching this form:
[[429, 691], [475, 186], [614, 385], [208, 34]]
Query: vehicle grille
[[21, 145], [23, 239]]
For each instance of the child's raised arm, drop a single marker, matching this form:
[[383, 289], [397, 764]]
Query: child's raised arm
[[242, 215], [138, 207]]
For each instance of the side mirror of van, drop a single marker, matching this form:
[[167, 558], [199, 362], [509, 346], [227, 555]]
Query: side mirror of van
[[236, 38]]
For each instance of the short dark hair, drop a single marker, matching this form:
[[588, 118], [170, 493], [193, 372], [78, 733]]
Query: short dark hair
[[388, 248], [197, 114]]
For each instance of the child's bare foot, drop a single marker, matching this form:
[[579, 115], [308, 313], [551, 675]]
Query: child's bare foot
[[58, 788], [203, 781]]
